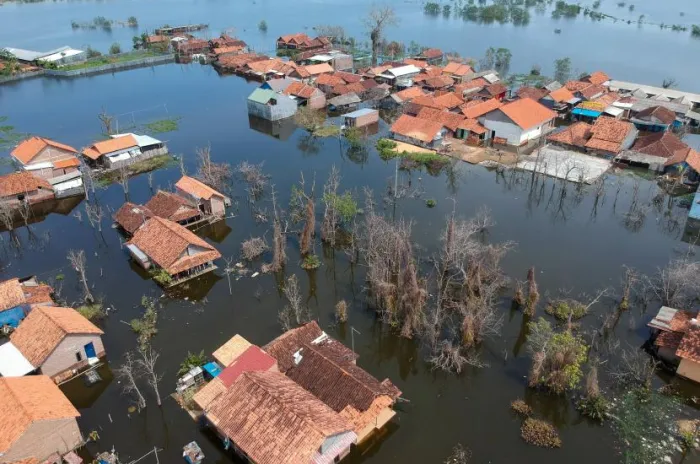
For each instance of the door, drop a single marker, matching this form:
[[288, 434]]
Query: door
[[90, 350]]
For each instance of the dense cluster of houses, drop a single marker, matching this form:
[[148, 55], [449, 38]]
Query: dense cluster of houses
[[48, 345], [50, 169], [299, 399]]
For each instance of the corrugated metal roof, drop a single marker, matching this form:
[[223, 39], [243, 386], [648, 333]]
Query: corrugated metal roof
[[262, 96], [663, 319], [361, 112]]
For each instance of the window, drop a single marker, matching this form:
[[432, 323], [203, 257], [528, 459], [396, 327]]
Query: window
[[78, 356]]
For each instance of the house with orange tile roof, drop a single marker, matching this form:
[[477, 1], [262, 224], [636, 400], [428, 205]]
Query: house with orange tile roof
[[675, 338], [574, 136], [561, 100], [171, 252], [23, 187], [597, 78], [111, 152], [438, 83], [56, 162], [610, 136], [457, 71], [432, 56], [302, 42], [57, 342], [173, 207], [518, 122], [207, 200], [306, 95], [18, 296], [663, 152], [417, 131], [37, 420]]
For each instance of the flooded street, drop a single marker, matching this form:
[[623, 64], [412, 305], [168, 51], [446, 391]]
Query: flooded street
[[577, 244], [572, 244]]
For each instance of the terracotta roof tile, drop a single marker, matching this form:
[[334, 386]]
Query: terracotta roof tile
[[439, 82], [40, 294], [669, 340], [575, 135], [252, 359], [274, 420], [664, 144], [218, 51], [131, 216], [13, 293], [472, 125], [562, 94], [109, 146], [196, 188], [473, 84], [165, 242], [45, 327], [527, 113], [301, 90], [431, 53], [576, 86], [283, 347], [598, 78], [208, 393], [236, 62], [410, 93], [689, 347], [446, 118], [495, 89], [532, 92], [315, 69], [448, 100], [67, 163], [418, 63], [26, 400], [592, 91], [29, 148], [330, 80], [457, 69], [416, 128], [21, 182], [230, 350], [348, 77], [171, 206], [607, 98], [608, 134], [661, 113], [473, 111]]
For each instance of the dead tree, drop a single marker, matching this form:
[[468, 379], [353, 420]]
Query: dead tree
[[253, 247], [254, 177], [147, 364], [378, 18], [331, 217], [106, 121], [215, 175], [294, 313], [279, 242], [128, 372], [533, 294], [304, 208], [123, 179], [25, 211], [79, 264], [7, 216], [678, 284], [628, 283], [94, 213]]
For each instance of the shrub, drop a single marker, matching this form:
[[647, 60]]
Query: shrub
[[115, 49], [540, 433], [431, 8], [253, 247], [344, 204], [310, 262], [695, 31], [190, 361], [354, 136], [91, 312], [92, 53], [563, 309], [595, 407], [341, 311], [521, 408], [430, 203], [262, 26], [386, 149], [161, 276], [132, 21]]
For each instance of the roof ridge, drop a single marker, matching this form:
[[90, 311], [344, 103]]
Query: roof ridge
[[345, 371], [178, 231]]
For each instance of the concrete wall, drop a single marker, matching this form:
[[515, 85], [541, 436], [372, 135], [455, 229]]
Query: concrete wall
[[63, 358], [402, 138], [44, 438], [317, 101], [689, 369], [216, 206], [507, 129], [285, 108], [113, 67], [51, 154]]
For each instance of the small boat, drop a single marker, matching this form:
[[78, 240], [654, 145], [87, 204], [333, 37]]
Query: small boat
[[192, 453]]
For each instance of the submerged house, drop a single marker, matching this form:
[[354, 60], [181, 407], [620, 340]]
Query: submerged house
[[610, 136], [654, 119], [57, 342], [327, 369], [401, 76], [417, 131], [17, 296], [362, 117], [560, 100], [24, 188], [268, 418], [518, 122], [661, 151], [267, 104], [574, 136], [208, 201], [174, 253], [676, 340], [130, 216], [173, 207], [123, 149], [37, 420], [53, 161], [306, 95], [301, 42]]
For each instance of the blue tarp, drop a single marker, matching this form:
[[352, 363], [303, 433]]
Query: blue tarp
[[695, 209], [586, 112], [13, 316], [212, 368]]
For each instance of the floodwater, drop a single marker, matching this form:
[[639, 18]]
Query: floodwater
[[574, 245], [644, 54]]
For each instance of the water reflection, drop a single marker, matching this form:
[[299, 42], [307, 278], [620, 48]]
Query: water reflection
[[280, 130], [83, 394]]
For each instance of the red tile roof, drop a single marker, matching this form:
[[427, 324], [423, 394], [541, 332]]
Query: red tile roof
[[598, 78], [23, 182], [608, 134], [472, 125], [410, 93], [13, 293], [301, 90], [474, 110], [165, 243], [663, 114], [448, 100], [562, 95], [577, 86], [131, 216], [473, 84], [439, 82], [430, 53], [669, 340], [416, 128], [330, 80], [457, 69], [689, 347], [196, 188], [527, 113], [592, 91], [66, 163], [252, 359], [575, 135], [532, 92], [495, 89], [273, 420], [29, 148], [315, 69], [348, 77], [664, 144], [171, 206], [446, 118]]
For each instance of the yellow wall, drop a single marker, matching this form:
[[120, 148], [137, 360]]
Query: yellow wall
[[689, 369]]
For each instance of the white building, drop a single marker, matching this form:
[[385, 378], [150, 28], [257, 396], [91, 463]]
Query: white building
[[518, 122]]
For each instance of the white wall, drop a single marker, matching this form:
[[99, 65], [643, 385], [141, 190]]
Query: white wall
[[507, 129]]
